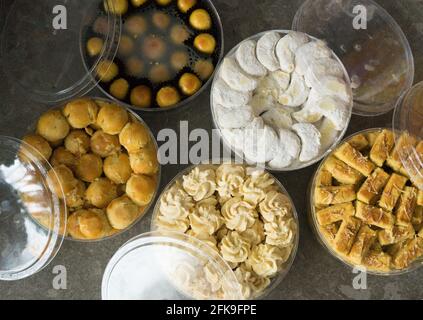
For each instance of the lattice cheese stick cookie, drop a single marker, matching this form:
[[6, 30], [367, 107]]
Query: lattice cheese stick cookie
[[345, 238], [365, 239], [335, 195], [412, 250], [377, 260], [392, 192], [396, 235], [343, 172], [359, 142], [382, 147], [374, 216], [373, 186], [355, 159], [335, 213], [407, 206]]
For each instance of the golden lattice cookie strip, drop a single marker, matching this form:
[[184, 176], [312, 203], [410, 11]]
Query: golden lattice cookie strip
[[367, 207]]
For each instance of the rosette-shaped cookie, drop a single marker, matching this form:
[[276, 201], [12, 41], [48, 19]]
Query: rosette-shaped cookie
[[255, 235], [200, 183], [274, 205], [256, 187], [176, 204], [251, 284], [280, 232], [230, 179], [234, 248], [206, 219], [177, 225], [239, 215], [265, 260]]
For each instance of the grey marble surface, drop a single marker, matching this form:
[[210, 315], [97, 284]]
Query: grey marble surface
[[315, 274]]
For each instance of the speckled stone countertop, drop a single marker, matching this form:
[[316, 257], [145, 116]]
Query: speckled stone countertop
[[315, 274]]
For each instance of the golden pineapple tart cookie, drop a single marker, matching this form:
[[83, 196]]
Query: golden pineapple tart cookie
[[134, 136], [40, 144], [112, 118], [238, 211], [122, 212], [101, 192], [77, 142], [53, 126], [81, 113], [61, 180], [366, 205], [117, 168], [63, 156], [89, 167], [144, 161], [76, 197], [89, 225], [104, 144], [141, 188], [105, 166]]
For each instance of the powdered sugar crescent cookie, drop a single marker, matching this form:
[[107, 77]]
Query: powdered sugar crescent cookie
[[247, 59], [262, 103], [266, 50], [329, 134], [286, 48], [335, 110], [234, 118], [289, 148], [274, 84], [227, 97], [310, 112], [259, 142], [310, 140], [235, 77], [321, 68], [297, 93], [278, 118], [308, 53]]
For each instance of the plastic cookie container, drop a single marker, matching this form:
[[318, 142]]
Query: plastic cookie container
[[166, 56], [366, 206], [105, 158], [281, 98], [242, 213]]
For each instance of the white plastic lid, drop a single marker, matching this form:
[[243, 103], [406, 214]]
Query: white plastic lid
[[32, 219], [408, 126], [370, 44], [168, 266], [41, 46]]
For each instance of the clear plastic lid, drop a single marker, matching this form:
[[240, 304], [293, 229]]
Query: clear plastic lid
[[370, 44], [407, 123], [168, 266], [41, 46], [32, 219]]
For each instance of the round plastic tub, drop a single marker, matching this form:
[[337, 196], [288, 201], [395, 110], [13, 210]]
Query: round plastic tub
[[297, 165]]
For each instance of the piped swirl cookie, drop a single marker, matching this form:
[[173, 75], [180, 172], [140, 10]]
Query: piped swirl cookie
[[239, 212]]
